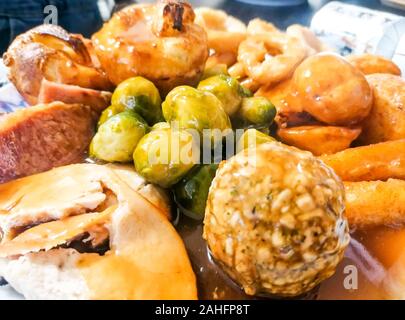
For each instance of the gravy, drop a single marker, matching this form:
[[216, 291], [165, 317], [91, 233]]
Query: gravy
[[373, 267]]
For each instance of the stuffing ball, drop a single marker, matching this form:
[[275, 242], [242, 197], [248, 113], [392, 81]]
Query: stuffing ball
[[274, 220]]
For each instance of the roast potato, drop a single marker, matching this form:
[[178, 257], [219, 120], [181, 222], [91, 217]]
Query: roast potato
[[280, 95], [374, 162], [332, 90], [290, 111], [319, 139], [386, 120], [371, 63]]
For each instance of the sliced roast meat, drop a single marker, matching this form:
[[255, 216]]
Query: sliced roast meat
[[39, 138], [52, 91]]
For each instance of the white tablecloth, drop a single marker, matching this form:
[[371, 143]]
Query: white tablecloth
[[10, 99]]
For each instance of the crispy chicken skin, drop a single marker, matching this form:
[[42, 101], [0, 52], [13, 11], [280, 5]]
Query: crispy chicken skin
[[49, 52], [160, 42]]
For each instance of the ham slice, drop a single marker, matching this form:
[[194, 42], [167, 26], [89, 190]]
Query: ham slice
[[52, 91], [41, 137]]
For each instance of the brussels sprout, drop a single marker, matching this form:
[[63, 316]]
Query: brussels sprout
[[226, 89], [252, 138], [195, 109], [140, 95], [117, 138], [245, 92], [164, 156], [161, 125], [191, 192], [109, 112], [214, 71], [258, 110]]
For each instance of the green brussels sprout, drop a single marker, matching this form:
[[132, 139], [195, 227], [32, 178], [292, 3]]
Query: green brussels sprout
[[117, 138], [245, 92], [252, 138], [109, 112], [160, 125], [195, 109], [141, 96], [214, 71], [164, 156], [258, 110], [191, 192], [226, 89]]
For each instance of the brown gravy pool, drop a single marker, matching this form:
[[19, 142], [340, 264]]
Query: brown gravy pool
[[368, 253], [375, 254]]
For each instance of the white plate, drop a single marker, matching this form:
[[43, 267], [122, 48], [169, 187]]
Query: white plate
[[8, 293]]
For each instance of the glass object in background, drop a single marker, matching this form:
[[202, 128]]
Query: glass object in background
[[275, 3], [105, 7], [400, 4], [354, 29]]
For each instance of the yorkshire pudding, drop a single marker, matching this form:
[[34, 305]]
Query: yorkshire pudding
[[159, 41], [49, 52]]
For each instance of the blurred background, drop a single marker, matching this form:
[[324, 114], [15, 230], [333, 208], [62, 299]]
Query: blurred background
[[87, 16], [282, 12]]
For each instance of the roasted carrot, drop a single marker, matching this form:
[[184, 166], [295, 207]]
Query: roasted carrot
[[379, 161], [373, 203]]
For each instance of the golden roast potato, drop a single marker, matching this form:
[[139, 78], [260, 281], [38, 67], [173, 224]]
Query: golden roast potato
[[319, 139], [371, 63], [332, 90], [386, 120]]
